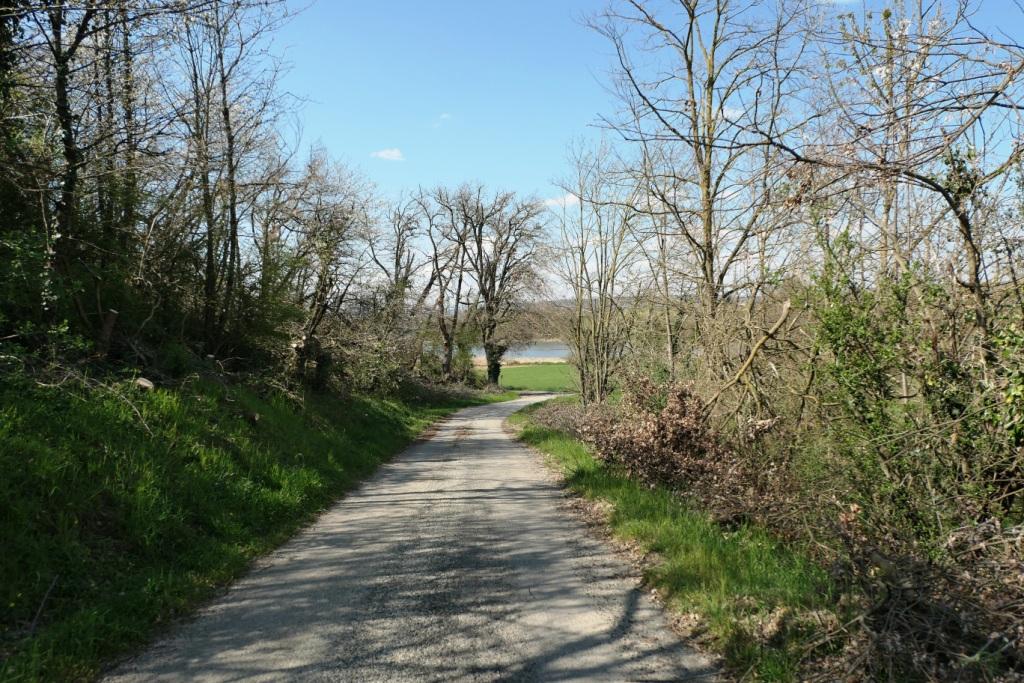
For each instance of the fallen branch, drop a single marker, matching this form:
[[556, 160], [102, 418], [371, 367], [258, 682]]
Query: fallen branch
[[42, 604]]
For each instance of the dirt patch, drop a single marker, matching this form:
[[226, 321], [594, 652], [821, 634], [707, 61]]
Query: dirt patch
[[431, 431], [427, 434]]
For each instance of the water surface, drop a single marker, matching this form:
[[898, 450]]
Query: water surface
[[554, 350]]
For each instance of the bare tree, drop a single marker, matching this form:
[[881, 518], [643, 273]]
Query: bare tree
[[407, 278], [920, 101], [692, 77], [447, 235], [502, 236], [334, 210], [228, 105], [598, 259]]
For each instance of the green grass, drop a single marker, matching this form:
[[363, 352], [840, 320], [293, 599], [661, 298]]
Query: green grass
[[732, 580], [539, 377], [129, 520]]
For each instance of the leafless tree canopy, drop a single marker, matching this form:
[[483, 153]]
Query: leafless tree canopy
[[796, 256], [154, 199]]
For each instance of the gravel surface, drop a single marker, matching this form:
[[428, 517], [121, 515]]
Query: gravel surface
[[454, 562]]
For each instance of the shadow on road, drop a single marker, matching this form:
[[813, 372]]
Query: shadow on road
[[453, 563]]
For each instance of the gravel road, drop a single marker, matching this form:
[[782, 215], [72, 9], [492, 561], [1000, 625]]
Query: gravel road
[[456, 562]]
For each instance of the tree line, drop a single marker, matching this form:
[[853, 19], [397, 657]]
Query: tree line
[[152, 199], [155, 208], [801, 242]]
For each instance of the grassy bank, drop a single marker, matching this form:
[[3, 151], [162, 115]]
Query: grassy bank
[[756, 602], [121, 510], [539, 377]]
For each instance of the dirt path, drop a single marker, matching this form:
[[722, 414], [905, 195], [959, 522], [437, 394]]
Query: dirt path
[[454, 562]]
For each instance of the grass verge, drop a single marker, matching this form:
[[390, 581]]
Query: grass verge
[[754, 601], [539, 377], [122, 510]]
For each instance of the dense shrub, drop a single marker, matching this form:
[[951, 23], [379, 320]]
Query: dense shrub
[[929, 601], [669, 445], [663, 436]]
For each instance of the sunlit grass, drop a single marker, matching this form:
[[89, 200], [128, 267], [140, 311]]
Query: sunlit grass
[[732, 579], [539, 377], [116, 521]]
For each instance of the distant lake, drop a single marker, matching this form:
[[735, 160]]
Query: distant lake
[[555, 350]]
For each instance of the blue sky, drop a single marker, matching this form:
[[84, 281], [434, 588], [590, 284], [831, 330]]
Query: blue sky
[[489, 91], [464, 90]]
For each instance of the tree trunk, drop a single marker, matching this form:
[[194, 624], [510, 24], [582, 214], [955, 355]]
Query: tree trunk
[[66, 205], [231, 173], [448, 352], [129, 188], [447, 335], [493, 364], [493, 352], [210, 274]]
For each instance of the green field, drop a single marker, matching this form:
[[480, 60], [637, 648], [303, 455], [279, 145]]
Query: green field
[[122, 510], [758, 600], [539, 377]]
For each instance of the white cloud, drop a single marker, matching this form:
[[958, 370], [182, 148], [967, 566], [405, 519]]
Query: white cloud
[[390, 154], [565, 201], [732, 113], [439, 121]]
